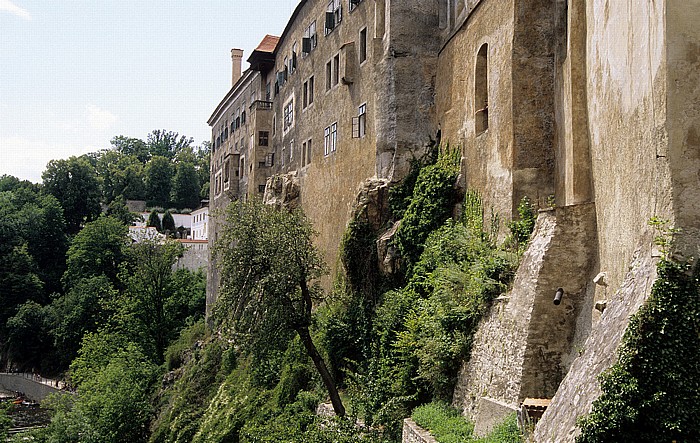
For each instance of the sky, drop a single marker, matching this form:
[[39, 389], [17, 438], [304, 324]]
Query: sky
[[76, 73]]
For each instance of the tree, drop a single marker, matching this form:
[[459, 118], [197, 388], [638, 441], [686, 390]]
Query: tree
[[159, 175], [80, 311], [154, 221], [120, 175], [131, 146], [168, 223], [75, 185], [28, 340], [114, 381], [268, 263], [120, 211], [167, 143], [98, 249], [149, 287], [185, 188]]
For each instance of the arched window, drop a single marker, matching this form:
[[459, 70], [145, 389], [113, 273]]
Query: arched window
[[481, 90]]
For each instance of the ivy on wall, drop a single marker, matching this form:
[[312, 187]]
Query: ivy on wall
[[652, 394]]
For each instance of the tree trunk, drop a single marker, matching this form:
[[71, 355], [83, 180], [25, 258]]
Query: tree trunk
[[322, 370]]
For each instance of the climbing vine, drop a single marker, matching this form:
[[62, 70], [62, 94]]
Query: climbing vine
[[652, 393]]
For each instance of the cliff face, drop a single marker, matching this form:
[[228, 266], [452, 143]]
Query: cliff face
[[588, 106]]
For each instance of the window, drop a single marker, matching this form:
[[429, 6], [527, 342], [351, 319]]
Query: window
[[481, 91], [306, 153], [310, 41], [291, 151], [308, 92], [243, 113], [270, 160], [359, 123], [293, 59], [305, 95], [336, 69], [352, 4], [268, 92], [261, 189], [263, 138], [330, 139], [241, 167], [284, 154], [334, 15], [329, 75], [288, 114], [217, 183], [311, 89], [274, 124], [363, 44], [227, 169]]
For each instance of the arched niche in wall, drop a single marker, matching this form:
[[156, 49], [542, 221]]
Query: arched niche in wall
[[481, 90]]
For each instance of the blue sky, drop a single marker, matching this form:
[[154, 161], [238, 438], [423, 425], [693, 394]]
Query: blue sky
[[75, 73]]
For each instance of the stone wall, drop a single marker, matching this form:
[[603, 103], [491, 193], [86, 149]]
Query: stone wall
[[522, 346], [412, 433], [580, 387]]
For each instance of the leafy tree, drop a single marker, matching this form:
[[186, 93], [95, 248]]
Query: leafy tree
[[74, 183], [159, 175], [154, 221], [185, 189], [98, 249], [120, 211], [167, 143], [149, 289], [18, 281], [168, 223], [268, 264], [27, 336], [83, 309], [114, 381], [35, 221], [131, 146], [10, 183], [120, 175]]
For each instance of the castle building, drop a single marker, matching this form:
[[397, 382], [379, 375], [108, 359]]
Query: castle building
[[588, 107]]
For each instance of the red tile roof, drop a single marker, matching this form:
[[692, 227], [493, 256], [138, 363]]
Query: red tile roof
[[268, 44]]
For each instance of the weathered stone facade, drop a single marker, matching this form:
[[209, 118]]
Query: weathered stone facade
[[588, 107]]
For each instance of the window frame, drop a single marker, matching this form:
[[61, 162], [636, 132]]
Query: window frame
[[362, 52], [330, 139]]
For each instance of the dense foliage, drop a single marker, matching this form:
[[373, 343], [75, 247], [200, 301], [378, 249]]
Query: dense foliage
[[653, 392]]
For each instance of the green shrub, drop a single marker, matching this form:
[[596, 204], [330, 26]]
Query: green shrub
[[505, 432], [444, 422], [176, 352], [431, 204]]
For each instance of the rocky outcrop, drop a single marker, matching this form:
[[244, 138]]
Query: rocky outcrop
[[387, 253], [372, 203], [282, 191]]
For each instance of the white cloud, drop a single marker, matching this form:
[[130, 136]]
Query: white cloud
[[100, 119], [27, 159], [8, 6]]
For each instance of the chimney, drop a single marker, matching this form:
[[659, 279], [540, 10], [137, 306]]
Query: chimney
[[236, 57]]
